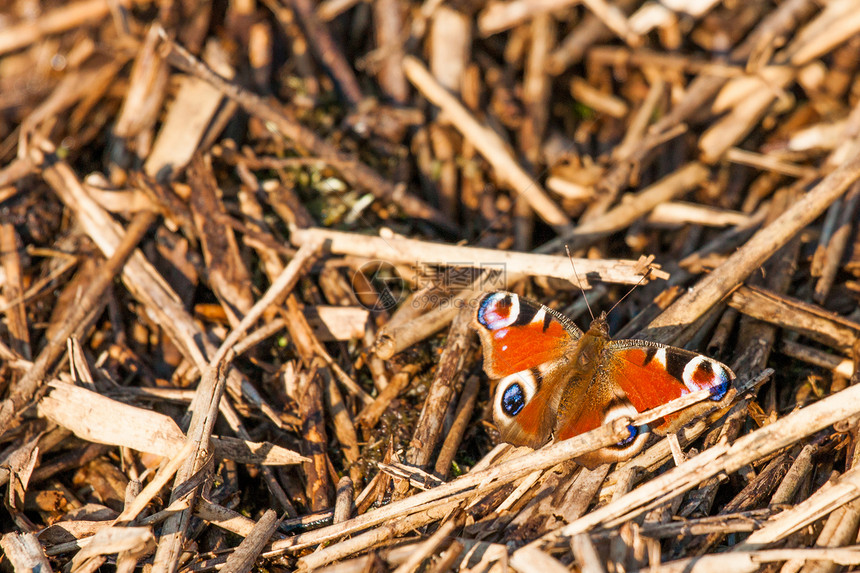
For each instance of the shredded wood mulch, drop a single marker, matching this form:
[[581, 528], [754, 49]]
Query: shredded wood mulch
[[241, 243]]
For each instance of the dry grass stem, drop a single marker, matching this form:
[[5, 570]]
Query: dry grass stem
[[242, 245]]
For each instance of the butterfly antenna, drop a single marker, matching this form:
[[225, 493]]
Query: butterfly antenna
[[642, 280], [578, 283]]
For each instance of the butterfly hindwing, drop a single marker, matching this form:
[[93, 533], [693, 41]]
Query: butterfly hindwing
[[520, 406], [602, 404]]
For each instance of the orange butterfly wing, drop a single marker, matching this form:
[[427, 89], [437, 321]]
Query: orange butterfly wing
[[524, 345], [518, 334], [651, 375]]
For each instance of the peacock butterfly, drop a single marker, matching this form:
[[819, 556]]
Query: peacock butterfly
[[555, 381]]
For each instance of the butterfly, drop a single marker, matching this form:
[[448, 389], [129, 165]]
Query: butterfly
[[556, 381]]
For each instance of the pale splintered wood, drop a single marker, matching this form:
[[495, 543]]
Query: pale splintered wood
[[532, 560], [681, 212], [823, 326], [588, 95], [750, 106], [223, 517], [398, 335], [63, 17], [829, 497], [453, 363], [13, 289], [306, 139], [34, 378], [452, 440], [187, 120], [722, 458], [842, 366], [67, 87], [490, 145], [140, 501], [134, 542], [99, 419], [344, 504], [139, 275], [243, 557], [431, 544], [165, 473], [484, 477], [749, 561], [337, 322], [451, 493], [632, 208], [24, 552], [397, 250], [586, 554], [837, 22], [500, 16], [206, 400], [450, 37], [750, 256], [372, 538], [769, 163]]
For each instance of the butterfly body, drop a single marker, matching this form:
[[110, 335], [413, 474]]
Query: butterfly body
[[556, 381]]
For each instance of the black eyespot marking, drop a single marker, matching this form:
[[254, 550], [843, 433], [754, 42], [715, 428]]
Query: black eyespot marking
[[513, 399]]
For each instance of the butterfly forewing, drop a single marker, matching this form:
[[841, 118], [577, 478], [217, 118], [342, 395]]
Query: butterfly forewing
[[518, 334], [651, 375]]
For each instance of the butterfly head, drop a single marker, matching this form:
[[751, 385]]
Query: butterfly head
[[599, 326]]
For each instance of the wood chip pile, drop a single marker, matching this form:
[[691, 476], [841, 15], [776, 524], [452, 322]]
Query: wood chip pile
[[240, 245]]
